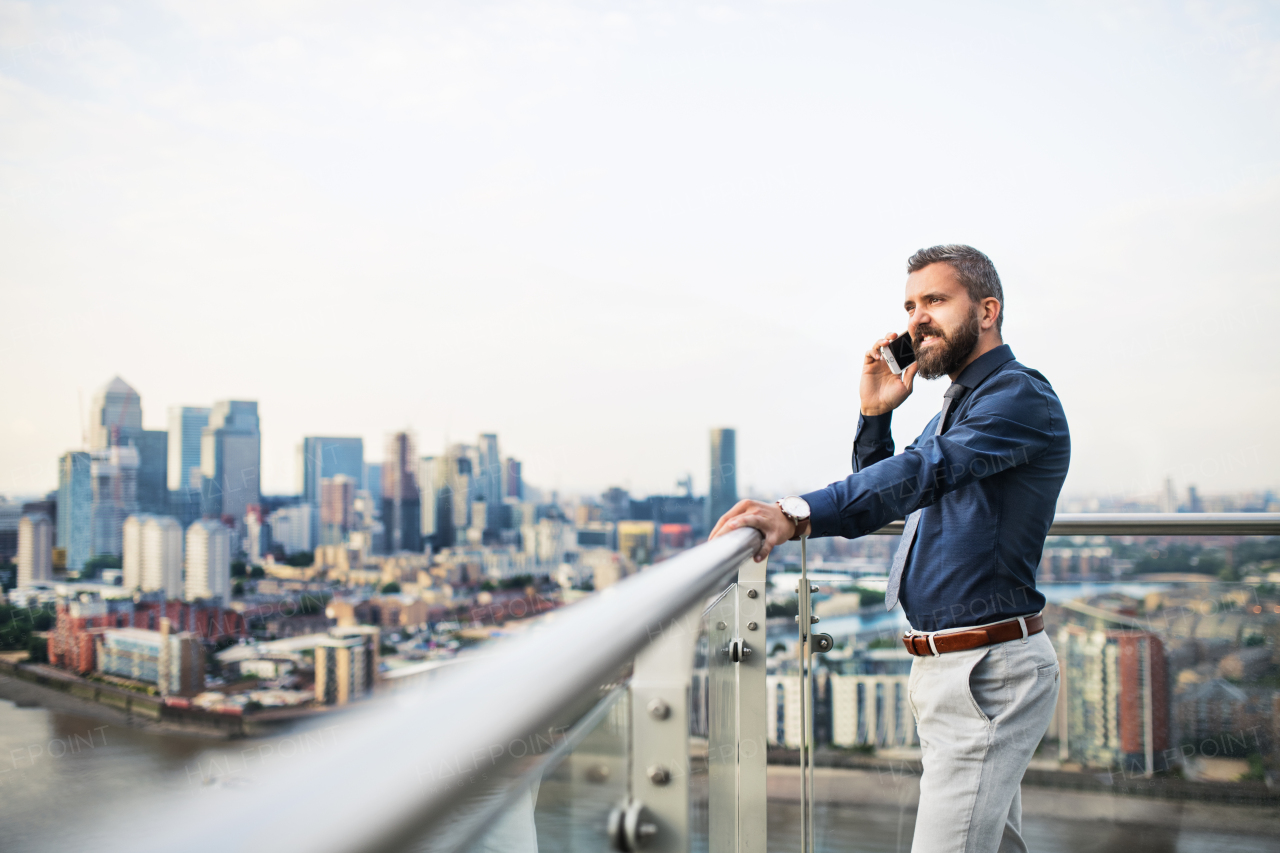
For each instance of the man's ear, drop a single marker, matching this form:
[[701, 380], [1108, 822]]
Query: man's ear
[[991, 309]]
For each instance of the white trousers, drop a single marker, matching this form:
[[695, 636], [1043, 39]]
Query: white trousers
[[981, 714]]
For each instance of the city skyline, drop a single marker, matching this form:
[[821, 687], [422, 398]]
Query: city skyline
[[727, 264]]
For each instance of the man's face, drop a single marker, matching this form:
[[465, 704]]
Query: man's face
[[942, 320]]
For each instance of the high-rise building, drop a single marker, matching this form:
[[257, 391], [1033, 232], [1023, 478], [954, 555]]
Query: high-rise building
[[186, 423], [513, 482], [117, 415], [291, 527], [10, 515], [75, 508], [431, 478], [401, 500], [208, 562], [35, 549], [153, 555], [724, 473], [117, 421], [257, 534], [340, 670], [1113, 703], [322, 458], [114, 475], [337, 508], [231, 459], [373, 481], [489, 479]]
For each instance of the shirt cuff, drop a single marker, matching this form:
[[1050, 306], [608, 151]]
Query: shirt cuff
[[824, 516], [874, 430]]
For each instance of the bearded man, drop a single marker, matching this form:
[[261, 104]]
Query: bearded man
[[978, 490]]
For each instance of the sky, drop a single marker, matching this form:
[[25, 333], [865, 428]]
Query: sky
[[602, 229]]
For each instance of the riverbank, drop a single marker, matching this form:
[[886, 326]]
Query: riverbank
[[35, 685]]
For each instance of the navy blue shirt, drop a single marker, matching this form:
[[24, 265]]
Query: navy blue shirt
[[988, 486]]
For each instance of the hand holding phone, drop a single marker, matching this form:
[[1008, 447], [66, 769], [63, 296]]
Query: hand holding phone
[[898, 354]]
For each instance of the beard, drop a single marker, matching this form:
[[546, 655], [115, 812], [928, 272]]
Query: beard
[[949, 352]]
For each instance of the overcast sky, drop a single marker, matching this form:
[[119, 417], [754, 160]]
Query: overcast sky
[[600, 229]]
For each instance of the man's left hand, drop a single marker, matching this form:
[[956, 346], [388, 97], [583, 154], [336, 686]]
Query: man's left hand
[[767, 518]]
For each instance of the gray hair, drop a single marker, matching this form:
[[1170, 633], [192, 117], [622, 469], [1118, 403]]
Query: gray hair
[[973, 269]]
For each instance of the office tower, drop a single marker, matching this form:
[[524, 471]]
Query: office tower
[[257, 534], [117, 415], [10, 515], [114, 475], [322, 458], [489, 479], [231, 459], [401, 500], [186, 423], [1114, 699], [337, 509], [153, 470], [75, 508], [340, 670], [513, 482], [373, 480], [724, 473], [35, 549], [430, 481], [153, 554], [208, 563], [291, 527], [117, 421]]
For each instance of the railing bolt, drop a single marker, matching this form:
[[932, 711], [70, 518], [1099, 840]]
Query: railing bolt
[[659, 775], [751, 593], [813, 588], [813, 620], [751, 626], [659, 710], [721, 626], [647, 830]]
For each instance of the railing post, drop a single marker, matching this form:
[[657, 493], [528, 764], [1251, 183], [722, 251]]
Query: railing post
[[753, 738], [657, 816]]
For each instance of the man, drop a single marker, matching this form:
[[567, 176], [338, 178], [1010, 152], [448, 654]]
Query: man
[[978, 490]]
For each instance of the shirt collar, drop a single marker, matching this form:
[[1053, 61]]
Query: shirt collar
[[983, 366]]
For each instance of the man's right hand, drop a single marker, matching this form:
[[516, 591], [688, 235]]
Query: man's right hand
[[881, 390]]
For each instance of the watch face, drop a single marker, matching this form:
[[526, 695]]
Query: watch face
[[795, 507]]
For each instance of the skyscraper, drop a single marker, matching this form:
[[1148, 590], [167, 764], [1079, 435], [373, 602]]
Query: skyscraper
[[230, 459], [430, 481], [208, 562], [117, 415], [153, 555], [117, 421], [185, 426], [35, 549], [513, 481], [114, 475], [75, 508], [489, 478], [337, 508], [724, 473], [401, 500], [321, 458]]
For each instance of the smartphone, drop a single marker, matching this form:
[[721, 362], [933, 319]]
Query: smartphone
[[899, 354]]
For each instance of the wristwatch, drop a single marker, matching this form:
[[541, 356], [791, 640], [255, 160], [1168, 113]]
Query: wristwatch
[[796, 508]]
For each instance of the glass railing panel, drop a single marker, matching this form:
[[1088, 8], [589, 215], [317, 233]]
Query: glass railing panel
[[722, 729], [1165, 733]]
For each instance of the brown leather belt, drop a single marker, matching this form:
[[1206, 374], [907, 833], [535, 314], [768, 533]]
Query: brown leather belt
[[975, 638]]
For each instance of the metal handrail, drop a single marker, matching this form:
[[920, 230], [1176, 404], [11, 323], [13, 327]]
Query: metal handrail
[[1153, 524], [368, 793]]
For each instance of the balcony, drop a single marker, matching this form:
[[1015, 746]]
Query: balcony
[[647, 718]]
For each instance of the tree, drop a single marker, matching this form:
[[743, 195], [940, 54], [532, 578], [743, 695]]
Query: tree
[[237, 589], [301, 559], [390, 588], [257, 572], [238, 568]]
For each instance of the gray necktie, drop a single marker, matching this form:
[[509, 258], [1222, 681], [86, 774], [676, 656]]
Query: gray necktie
[[913, 520]]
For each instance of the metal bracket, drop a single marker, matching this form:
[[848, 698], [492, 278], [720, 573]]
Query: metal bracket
[[739, 650], [630, 826]]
